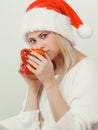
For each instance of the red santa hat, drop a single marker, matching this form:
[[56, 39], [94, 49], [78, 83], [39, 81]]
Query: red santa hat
[[56, 16]]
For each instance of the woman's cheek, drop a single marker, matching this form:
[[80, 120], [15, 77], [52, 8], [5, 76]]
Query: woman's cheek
[[52, 55]]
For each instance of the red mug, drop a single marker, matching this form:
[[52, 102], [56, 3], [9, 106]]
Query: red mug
[[23, 54]]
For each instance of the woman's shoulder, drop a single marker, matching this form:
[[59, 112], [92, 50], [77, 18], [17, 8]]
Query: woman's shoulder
[[87, 72], [90, 61], [87, 66]]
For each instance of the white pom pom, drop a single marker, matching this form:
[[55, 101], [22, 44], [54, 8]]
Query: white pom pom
[[85, 31]]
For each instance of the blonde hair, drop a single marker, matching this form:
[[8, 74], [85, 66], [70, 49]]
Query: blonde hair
[[69, 61], [67, 51]]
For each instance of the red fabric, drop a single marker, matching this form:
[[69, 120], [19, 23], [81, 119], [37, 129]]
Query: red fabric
[[59, 6]]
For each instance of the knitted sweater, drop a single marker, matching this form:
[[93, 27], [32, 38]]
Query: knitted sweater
[[79, 87]]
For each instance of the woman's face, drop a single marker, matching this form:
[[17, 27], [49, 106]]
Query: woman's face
[[44, 40]]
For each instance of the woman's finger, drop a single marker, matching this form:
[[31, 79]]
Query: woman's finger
[[32, 63], [31, 69], [37, 55], [34, 59]]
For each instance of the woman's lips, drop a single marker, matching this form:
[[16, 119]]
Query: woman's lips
[[47, 52]]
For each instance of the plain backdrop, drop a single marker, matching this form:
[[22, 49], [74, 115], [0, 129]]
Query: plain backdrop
[[12, 85]]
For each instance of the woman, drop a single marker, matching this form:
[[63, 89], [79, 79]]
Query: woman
[[65, 93]]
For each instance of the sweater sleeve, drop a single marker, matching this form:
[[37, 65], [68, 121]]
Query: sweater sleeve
[[83, 101], [23, 121], [30, 120]]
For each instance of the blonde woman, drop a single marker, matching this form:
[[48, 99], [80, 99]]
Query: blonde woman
[[65, 94]]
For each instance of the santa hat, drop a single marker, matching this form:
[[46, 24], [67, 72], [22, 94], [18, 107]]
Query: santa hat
[[56, 16]]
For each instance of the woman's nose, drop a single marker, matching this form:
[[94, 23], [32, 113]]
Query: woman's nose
[[41, 48], [40, 45]]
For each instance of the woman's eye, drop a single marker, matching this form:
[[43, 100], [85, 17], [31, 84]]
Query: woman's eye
[[43, 36], [32, 40]]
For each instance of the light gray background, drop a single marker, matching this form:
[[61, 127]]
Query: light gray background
[[12, 86]]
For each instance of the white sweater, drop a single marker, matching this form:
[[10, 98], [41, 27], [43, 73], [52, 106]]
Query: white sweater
[[79, 88]]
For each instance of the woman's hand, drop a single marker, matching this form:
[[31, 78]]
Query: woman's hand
[[31, 80], [44, 68]]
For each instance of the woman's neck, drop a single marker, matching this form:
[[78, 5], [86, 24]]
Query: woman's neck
[[79, 56], [58, 62]]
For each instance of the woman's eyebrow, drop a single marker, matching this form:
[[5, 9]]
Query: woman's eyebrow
[[39, 34], [42, 32]]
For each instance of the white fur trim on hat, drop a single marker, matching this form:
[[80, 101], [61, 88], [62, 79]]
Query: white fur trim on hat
[[45, 19]]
